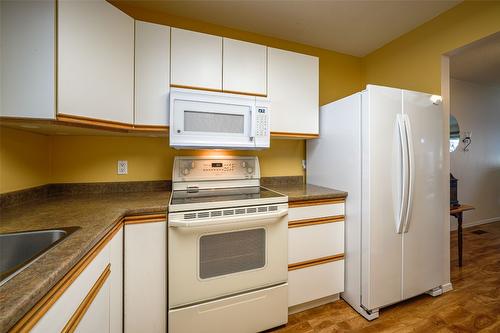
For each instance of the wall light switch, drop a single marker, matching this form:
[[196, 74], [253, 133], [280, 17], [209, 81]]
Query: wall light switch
[[122, 168]]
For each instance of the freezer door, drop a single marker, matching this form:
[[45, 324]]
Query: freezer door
[[381, 243], [424, 238]]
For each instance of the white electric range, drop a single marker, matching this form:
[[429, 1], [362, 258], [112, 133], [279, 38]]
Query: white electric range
[[227, 248]]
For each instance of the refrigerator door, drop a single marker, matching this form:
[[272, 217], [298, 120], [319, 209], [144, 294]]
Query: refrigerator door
[[381, 244], [423, 235]]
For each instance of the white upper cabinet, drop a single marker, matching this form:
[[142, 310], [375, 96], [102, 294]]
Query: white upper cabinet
[[293, 89], [27, 59], [196, 60], [244, 67], [152, 74], [95, 61]]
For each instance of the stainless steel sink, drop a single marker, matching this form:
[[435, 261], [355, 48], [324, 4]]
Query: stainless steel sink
[[20, 249]]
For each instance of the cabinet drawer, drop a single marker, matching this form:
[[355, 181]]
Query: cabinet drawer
[[314, 282], [315, 211], [315, 241]]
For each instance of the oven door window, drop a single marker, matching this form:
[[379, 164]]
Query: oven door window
[[232, 252]]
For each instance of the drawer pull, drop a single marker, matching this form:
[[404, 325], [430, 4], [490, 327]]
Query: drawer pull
[[320, 220], [305, 203], [315, 262]]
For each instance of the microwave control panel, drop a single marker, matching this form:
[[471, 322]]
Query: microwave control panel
[[262, 121]]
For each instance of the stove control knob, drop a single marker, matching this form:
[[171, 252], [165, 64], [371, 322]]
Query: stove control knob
[[192, 164], [185, 172], [243, 164], [249, 170]]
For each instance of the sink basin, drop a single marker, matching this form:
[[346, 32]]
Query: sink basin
[[20, 249]]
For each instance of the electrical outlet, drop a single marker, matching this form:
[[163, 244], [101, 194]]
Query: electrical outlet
[[122, 167]]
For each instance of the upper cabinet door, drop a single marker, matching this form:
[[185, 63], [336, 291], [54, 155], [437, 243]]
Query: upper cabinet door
[[244, 67], [96, 61], [27, 59], [152, 74], [293, 89], [196, 60]]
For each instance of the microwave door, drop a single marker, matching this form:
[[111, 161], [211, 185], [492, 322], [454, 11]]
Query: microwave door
[[212, 125]]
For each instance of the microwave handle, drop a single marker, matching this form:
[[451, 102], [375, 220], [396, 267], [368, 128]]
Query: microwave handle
[[241, 221], [253, 115]]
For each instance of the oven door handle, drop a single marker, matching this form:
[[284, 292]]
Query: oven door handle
[[240, 221]]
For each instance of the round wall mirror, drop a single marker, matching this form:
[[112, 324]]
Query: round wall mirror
[[454, 134]]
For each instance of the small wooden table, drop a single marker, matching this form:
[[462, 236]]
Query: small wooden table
[[457, 213]]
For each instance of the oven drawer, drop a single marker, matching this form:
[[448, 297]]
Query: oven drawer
[[251, 312], [315, 282], [315, 211], [315, 241]]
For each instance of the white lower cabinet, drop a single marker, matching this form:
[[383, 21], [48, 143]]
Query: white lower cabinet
[[90, 303], [315, 253], [145, 280], [97, 317], [315, 282]]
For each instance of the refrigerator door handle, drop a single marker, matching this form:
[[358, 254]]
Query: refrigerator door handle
[[402, 180], [411, 172]]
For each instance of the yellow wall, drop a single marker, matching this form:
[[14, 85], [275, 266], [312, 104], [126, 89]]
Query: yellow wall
[[94, 158], [413, 61], [339, 74], [24, 159]]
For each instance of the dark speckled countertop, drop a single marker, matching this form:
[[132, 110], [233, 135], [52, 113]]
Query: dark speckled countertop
[[95, 214], [300, 192]]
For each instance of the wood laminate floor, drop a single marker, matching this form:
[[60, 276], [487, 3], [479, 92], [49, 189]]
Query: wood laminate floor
[[472, 306]]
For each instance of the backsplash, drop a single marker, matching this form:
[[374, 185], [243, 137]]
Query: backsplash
[[29, 159]]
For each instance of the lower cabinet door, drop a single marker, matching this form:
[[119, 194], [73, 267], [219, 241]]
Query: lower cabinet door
[[249, 312], [96, 317], [61, 315], [145, 272], [315, 282]]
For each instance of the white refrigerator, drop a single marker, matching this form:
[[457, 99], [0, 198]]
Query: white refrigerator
[[386, 147]]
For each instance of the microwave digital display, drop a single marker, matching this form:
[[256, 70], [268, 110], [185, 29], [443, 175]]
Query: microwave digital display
[[216, 165]]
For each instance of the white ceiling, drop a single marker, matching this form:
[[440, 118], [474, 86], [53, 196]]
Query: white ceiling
[[478, 62], [351, 27]]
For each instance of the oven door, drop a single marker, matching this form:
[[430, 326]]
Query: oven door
[[211, 121], [214, 257]]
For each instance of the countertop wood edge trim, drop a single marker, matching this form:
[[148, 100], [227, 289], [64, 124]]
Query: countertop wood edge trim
[[30, 318], [314, 202], [315, 262], [315, 221], [149, 218], [75, 319]]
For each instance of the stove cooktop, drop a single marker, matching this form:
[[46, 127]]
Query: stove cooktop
[[224, 197]]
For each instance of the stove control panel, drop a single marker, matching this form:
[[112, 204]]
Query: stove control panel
[[194, 168]]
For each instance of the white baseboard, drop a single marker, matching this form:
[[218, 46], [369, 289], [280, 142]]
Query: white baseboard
[[313, 304], [453, 225]]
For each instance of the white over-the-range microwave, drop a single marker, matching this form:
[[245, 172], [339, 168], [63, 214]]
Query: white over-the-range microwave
[[204, 119]]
